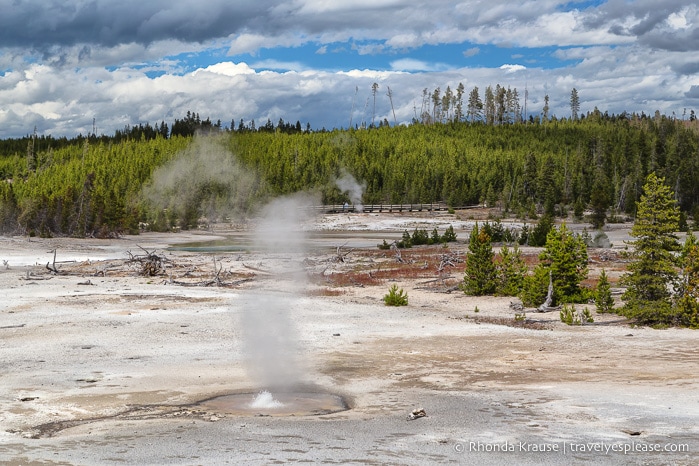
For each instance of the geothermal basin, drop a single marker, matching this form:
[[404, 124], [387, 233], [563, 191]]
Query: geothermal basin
[[102, 366]]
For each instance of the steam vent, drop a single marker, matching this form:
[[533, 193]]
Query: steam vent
[[280, 404]]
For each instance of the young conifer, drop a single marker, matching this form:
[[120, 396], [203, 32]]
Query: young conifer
[[480, 277], [603, 296], [652, 273]]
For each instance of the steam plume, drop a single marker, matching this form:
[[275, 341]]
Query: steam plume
[[270, 343], [348, 184], [203, 179]]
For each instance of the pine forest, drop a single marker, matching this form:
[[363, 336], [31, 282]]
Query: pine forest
[[108, 185]]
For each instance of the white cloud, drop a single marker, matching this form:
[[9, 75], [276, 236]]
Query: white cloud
[[279, 65], [472, 52], [512, 68], [64, 62], [227, 69], [411, 64], [678, 20]]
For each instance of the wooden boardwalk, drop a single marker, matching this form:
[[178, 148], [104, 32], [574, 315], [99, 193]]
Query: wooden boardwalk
[[431, 207]]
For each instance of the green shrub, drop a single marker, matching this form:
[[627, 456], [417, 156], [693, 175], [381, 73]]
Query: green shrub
[[570, 316], [449, 236], [406, 241], [419, 237], [396, 297], [435, 237]]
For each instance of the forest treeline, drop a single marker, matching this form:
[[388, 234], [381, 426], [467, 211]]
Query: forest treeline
[[97, 185]]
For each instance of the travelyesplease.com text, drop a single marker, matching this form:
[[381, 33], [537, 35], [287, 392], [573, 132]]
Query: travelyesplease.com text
[[571, 447]]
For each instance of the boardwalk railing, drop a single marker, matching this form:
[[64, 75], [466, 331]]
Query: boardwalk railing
[[339, 208]]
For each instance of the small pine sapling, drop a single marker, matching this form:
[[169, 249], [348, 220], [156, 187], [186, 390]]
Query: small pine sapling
[[603, 296], [396, 297]]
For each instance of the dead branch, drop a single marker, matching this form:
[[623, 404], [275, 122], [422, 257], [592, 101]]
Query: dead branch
[[516, 306], [151, 263], [256, 269], [13, 326], [396, 250], [31, 277], [340, 256], [207, 283], [448, 260], [217, 280], [52, 268], [217, 272]]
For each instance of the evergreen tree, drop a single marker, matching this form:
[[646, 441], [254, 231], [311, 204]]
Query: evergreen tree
[[459, 103], [540, 232], [489, 105], [535, 287], [599, 202], [652, 271], [511, 270], [475, 106], [687, 306], [564, 260], [480, 277], [603, 295], [565, 255], [574, 104]]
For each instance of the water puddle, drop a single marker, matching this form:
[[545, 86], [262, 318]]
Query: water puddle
[[277, 404]]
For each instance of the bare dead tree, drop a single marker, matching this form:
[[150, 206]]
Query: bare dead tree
[[547, 305], [356, 90], [340, 256], [396, 250], [390, 98], [374, 89]]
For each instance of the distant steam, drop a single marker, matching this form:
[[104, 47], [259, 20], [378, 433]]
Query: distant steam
[[203, 180], [281, 224], [348, 184], [270, 343]]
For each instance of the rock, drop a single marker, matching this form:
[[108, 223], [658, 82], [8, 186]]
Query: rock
[[417, 413]]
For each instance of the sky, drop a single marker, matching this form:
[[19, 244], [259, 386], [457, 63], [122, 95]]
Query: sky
[[70, 66]]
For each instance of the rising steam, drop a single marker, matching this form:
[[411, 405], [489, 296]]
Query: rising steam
[[348, 184], [202, 180], [270, 343]]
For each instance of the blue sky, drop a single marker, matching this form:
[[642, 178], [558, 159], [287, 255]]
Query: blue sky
[[335, 57], [65, 63]]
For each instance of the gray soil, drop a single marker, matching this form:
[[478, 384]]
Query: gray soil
[[100, 365]]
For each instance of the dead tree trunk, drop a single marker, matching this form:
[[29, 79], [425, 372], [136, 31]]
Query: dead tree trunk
[[547, 305]]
